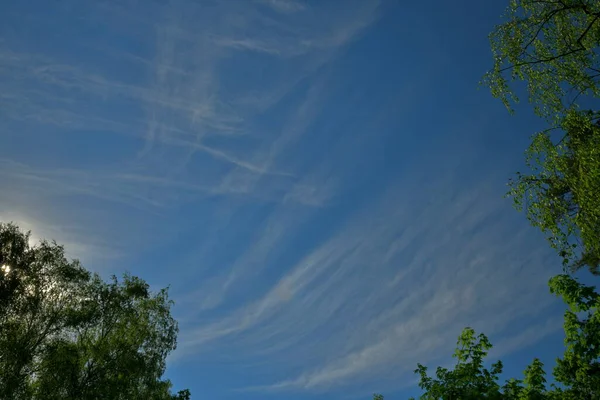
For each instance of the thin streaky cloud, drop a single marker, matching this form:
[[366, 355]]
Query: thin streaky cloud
[[285, 6], [246, 44], [325, 280]]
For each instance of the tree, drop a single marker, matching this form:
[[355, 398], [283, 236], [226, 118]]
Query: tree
[[561, 194], [579, 368], [39, 289], [553, 46], [469, 379], [67, 334]]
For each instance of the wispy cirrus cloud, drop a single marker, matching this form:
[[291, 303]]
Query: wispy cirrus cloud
[[174, 99], [390, 288], [285, 6], [183, 102]]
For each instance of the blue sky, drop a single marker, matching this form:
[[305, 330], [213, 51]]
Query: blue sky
[[320, 182]]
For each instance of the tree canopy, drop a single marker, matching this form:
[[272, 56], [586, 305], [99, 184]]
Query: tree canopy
[[553, 46], [560, 193], [67, 334]]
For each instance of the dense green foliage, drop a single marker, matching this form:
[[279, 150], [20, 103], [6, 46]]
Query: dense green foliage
[[579, 368], [67, 334], [560, 194], [552, 45], [469, 379]]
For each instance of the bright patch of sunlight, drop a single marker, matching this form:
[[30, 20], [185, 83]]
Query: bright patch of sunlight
[[5, 268]]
